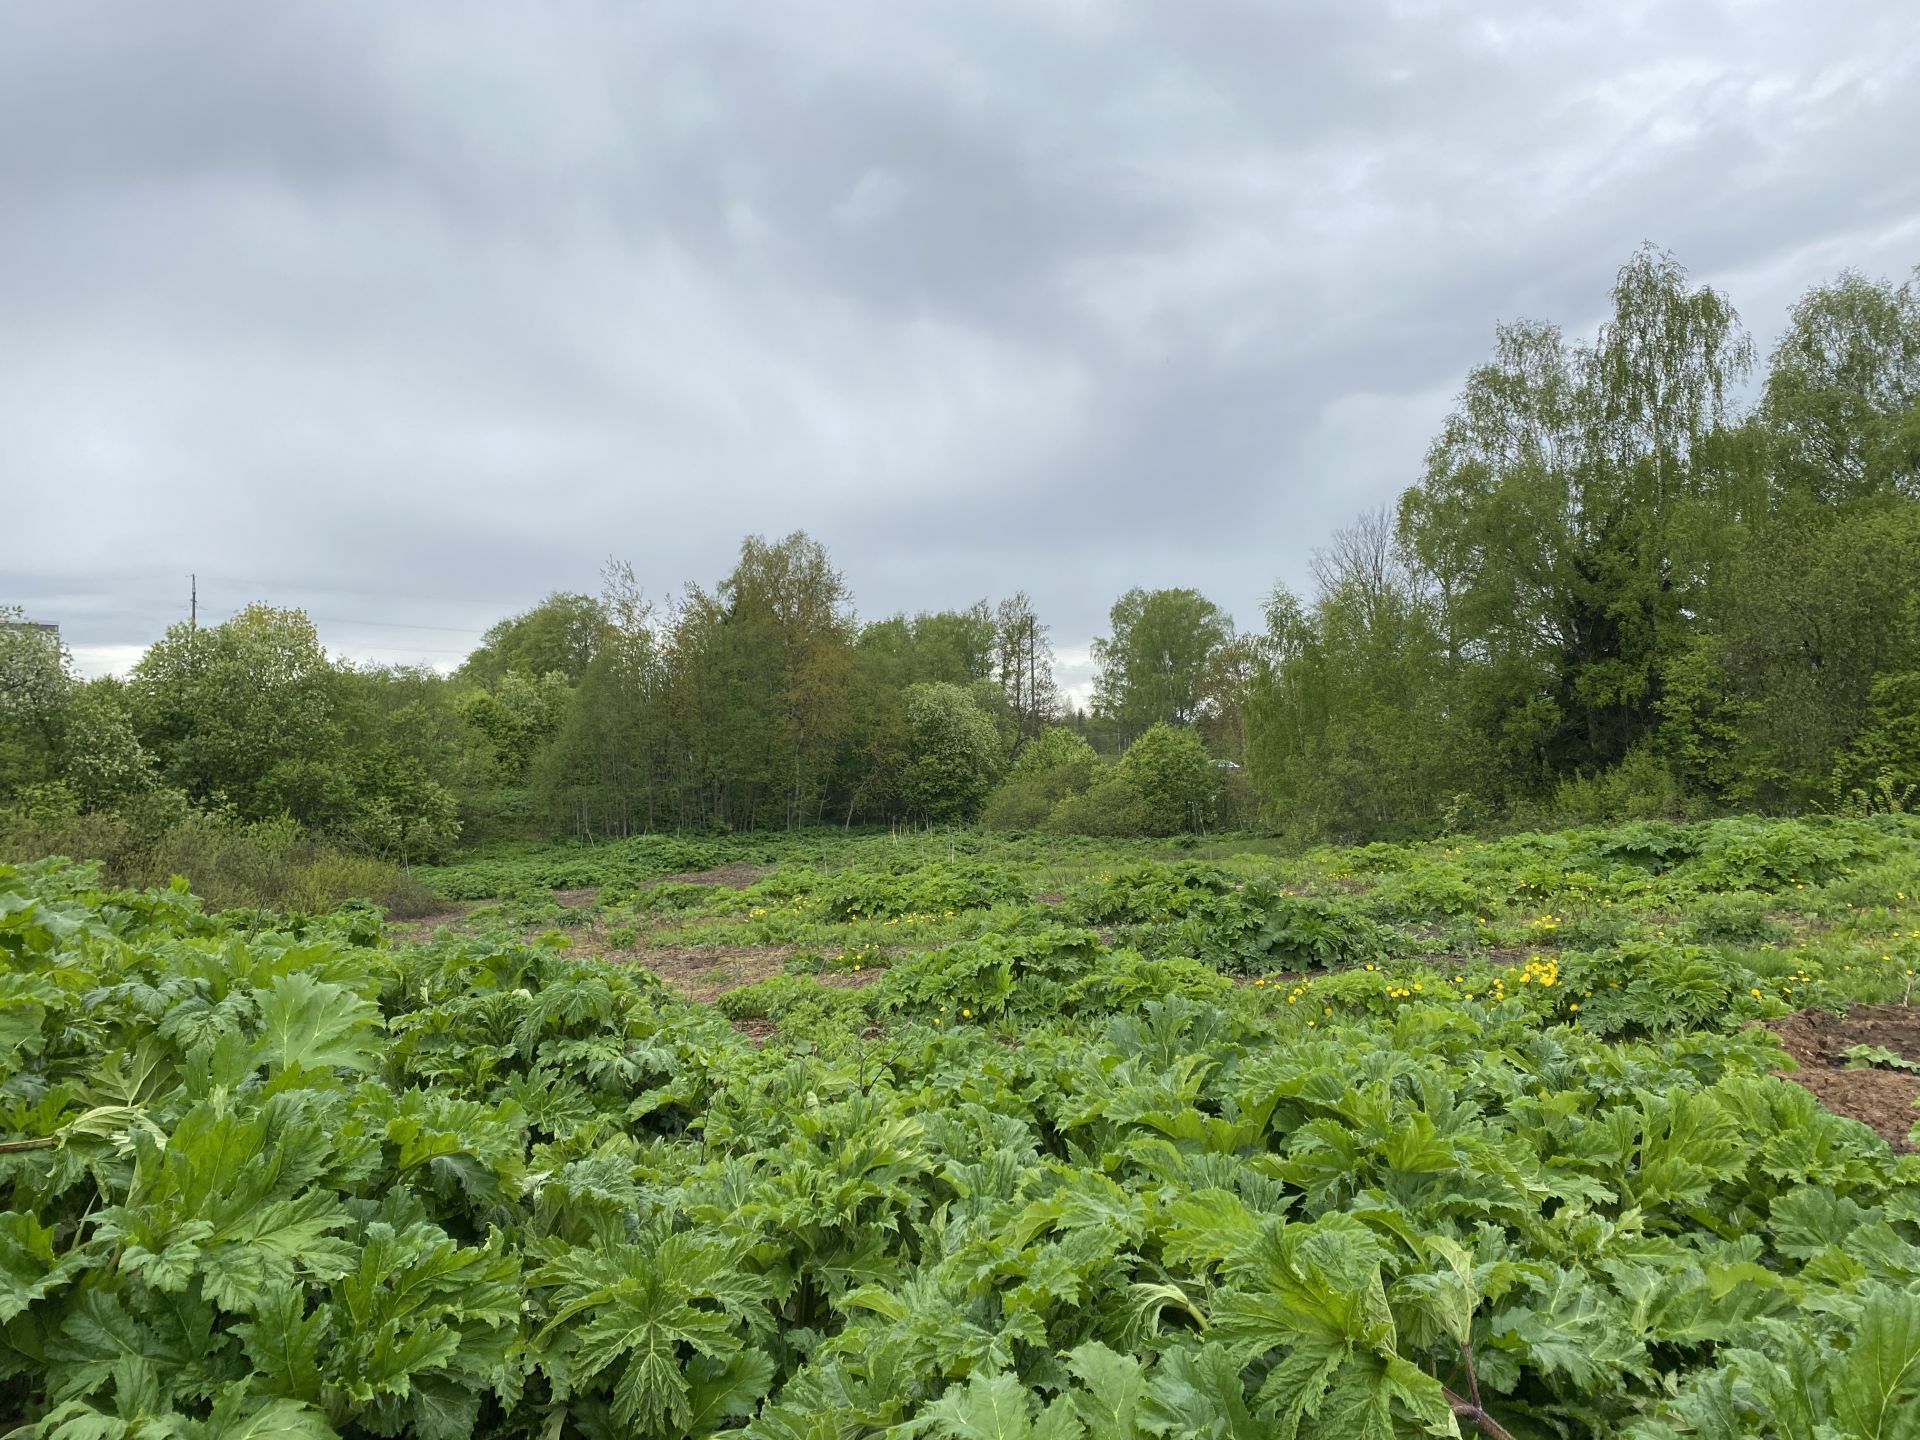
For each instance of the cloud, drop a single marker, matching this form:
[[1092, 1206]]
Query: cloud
[[410, 319]]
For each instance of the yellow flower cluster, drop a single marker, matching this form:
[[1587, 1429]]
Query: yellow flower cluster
[[1293, 995], [913, 919], [1545, 973]]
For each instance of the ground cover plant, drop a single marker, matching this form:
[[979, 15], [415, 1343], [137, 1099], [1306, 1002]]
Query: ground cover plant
[[830, 1135]]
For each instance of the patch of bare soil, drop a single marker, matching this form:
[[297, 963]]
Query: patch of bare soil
[[701, 972], [848, 980], [758, 1031], [577, 899], [420, 929], [735, 876], [1884, 1099]]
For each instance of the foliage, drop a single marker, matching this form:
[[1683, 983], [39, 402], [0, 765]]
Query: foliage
[[1110, 805], [1173, 775], [1054, 765], [1154, 665], [270, 865], [953, 753], [956, 885], [272, 1176], [1147, 892], [1261, 927], [999, 974], [560, 636]]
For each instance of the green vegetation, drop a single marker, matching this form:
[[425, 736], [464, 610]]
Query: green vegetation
[[1023, 1137]]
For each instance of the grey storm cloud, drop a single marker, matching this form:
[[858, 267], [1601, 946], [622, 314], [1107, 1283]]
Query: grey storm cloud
[[411, 314]]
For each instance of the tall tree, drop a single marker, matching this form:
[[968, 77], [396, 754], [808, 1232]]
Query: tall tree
[[1825, 611], [1843, 392], [36, 683], [955, 647], [1023, 664], [765, 685], [1353, 722], [607, 771], [1575, 511], [246, 713], [1154, 666]]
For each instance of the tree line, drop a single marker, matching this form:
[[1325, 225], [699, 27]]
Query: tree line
[[761, 702], [1634, 578]]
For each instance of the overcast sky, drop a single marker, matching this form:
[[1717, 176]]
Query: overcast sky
[[409, 314]]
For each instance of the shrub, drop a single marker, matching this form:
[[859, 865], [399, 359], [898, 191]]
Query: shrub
[[1126, 980], [1653, 985], [779, 997], [1110, 806], [1740, 917], [953, 753], [1021, 803], [1640, 787], [1174, 776], [266, 865], [1055, 764]]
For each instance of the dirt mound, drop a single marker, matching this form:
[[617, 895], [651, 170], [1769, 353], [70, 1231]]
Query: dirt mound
[[1819, 1041], [736, 876]]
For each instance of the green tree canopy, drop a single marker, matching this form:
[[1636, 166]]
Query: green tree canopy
[[1575, 512], [954, 753], [36, 683], [1153, 667], [246, 713], [1843, 390], [561, 634], [1174, 776], [764, 684], [953, 646]]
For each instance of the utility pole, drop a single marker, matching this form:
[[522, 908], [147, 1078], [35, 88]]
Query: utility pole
[[193, 602]]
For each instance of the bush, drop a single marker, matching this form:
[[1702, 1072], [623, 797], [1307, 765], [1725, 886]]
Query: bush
[[1174, 776], [1640, 787], [1647, 986], [995, 975], [266, 865], [1110, 806], [1022, 803], [953, 753], [1126, 981], [1740, 916], [800, 1004], [1055, 764]]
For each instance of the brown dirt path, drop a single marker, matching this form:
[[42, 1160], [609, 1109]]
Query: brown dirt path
[[1884, 1099]]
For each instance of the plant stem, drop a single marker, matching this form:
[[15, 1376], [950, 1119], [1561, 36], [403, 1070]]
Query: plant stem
[[1465, 1409], [1468, 1406]]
